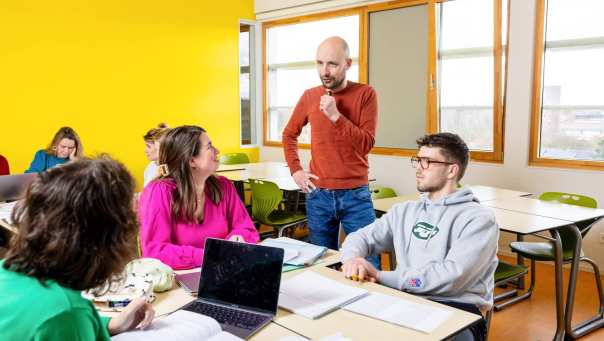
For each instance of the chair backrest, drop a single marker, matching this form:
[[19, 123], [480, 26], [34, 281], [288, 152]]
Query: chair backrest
[[567, 237], [234, 158], [382, 192], [266, 197], [569, 198], [4, 169]]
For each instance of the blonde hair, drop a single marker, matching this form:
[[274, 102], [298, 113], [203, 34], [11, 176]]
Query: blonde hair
[[155, 134], [65, 133]]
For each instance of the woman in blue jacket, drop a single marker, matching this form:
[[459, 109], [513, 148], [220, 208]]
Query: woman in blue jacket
[[65, 146]]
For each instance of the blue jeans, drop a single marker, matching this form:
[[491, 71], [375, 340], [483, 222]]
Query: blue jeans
[[326, 209]]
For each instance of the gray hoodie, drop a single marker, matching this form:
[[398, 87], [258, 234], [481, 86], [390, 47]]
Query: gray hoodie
[[445, 250]]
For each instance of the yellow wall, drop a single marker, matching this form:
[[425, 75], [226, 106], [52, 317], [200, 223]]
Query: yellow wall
[[112, 69]]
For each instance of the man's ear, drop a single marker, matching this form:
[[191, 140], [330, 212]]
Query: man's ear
[[348, 63], [453, 171]]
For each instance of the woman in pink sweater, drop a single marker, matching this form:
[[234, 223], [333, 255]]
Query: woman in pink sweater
[[187, 203]]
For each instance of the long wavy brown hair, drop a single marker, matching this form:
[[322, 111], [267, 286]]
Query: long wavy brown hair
[[176, 150], [76, 225], [65, 133]]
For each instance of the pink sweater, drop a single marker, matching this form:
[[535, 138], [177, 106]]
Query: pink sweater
[[180, 244]]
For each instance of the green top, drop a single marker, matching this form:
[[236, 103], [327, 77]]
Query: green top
[[32, 311]]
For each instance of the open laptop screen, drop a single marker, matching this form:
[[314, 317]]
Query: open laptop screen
[[12, 187], [241, 274]]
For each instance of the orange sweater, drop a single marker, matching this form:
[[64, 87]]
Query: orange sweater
[[338, 150]]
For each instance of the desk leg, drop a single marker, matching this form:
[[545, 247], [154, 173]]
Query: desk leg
[[588, 325], [520, 261], [559, 336]]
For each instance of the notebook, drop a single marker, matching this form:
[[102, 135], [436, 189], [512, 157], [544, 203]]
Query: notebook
[[239, 285], [312, 295], [298, 253], [180, 325], [421, 317]]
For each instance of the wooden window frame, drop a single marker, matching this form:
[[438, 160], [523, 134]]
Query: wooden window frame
[[432, 117], [536, 106]]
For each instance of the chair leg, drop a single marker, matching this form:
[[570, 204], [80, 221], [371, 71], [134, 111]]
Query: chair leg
[[596, 321], [522, 297]]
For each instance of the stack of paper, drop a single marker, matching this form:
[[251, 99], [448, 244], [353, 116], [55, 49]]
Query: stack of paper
[[296, 252], [6, 211], [312, 295], [181, 325], [422, 317]]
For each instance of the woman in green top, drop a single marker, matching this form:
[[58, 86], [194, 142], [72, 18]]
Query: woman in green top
[[76, 232]]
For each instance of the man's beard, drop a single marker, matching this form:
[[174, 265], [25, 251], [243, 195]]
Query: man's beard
[[431, 188], [335, 83]]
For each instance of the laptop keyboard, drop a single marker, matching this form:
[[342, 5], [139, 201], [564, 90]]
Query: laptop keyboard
[[226, 315]]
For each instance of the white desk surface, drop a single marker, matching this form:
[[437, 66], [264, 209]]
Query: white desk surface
[[486, 193], [548, 209], [258, 170], [358, 327], [524, 223], [483, 193], [509, 221]]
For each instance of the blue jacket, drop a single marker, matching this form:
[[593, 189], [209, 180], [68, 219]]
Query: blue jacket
[[42, 161]]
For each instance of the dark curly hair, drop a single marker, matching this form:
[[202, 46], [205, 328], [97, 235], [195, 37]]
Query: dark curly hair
[[76, 225], [453, 148]]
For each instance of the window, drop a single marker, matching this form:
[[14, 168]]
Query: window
[[436, 66], [470, 90], [290, 65], [247, 80], [568, 106]]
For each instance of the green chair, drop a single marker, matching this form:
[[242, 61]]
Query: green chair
[[544, 251], [382, 192], [234, 158], [266, 198]]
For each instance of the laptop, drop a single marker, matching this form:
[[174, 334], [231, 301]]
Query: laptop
[[239, 285], [12, 187]]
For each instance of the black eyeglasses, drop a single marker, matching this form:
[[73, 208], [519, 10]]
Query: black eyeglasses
[[424, 162]]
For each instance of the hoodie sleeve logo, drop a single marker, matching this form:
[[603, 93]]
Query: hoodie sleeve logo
[[414, 283], [424, 231]]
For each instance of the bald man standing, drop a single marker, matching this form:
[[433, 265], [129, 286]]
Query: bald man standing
[[343, 117]]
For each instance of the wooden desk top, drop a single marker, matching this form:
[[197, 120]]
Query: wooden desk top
[[359, 328], [548, 209]]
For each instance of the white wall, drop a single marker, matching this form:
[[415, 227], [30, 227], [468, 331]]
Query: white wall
[[514, 173]]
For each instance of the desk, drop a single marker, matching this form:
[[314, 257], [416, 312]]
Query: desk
[[483, 193], [486, 193], [523, 216], [571, 214], [354, 326], [359, 328], [258, 170]]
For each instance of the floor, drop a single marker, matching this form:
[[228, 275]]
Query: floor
[[535, 318]]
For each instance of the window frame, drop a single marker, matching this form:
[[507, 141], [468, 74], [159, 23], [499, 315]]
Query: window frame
[[537, 105], [432, 117], [253, 27], [299, 20]]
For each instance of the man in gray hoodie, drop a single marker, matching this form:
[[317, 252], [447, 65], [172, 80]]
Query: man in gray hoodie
[[445, 243]]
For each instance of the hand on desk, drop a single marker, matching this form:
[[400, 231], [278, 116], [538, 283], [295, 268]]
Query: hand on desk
[[137, 315], [237, 238], [359, 269]]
